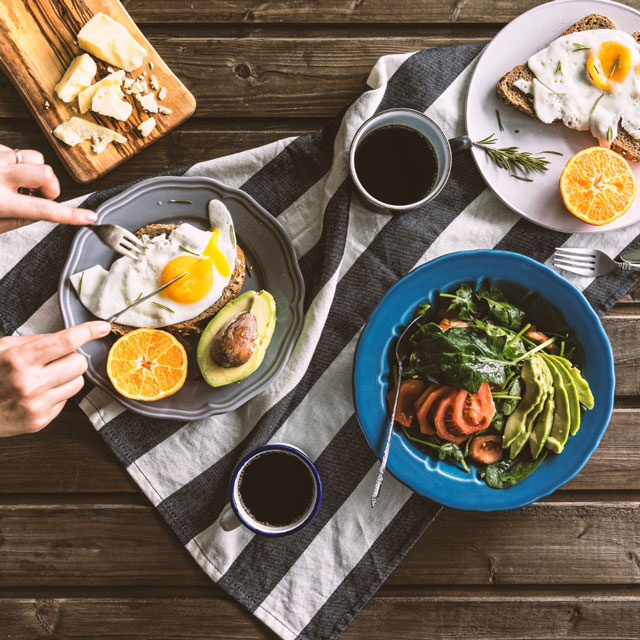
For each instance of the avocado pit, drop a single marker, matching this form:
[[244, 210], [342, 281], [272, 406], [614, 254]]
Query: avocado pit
[[234, 344]]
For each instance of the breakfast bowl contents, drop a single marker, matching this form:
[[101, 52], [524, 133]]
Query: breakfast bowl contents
[[483, 385], [484, 422]]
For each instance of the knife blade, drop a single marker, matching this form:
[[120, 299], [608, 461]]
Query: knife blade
[[115, 316]]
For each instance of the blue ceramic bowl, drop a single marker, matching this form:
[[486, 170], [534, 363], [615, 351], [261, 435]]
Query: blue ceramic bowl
[[550, 300]]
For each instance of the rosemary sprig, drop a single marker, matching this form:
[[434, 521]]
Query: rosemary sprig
[[157, 304], [580, 47], [189, 250], [180, 201], [557, 93], [80, 284], [499, 120], [609, 134], [615, 66], [595, 104], [139, 296], [555, 153], [559, 68], [511, 158], [513, 175]]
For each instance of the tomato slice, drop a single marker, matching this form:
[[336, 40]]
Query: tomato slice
[[424, 395], [473, 411], [447, 323], [410, 390], [426, 413], [486, 449], [443, 419]]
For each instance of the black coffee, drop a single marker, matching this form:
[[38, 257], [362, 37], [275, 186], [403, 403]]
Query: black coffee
[[396, 164], [276, 488]]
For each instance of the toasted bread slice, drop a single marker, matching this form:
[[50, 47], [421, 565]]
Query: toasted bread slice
[[624, 144], [197, 324]]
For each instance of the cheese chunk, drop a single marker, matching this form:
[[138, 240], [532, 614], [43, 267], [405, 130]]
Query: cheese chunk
[[146, 127], [76, 78], [85, 97], [78, 130], [108, 101], [148, 102], [110, 41], [162, 94]]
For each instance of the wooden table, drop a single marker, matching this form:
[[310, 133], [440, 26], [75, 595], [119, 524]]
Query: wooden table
[[82, 553]]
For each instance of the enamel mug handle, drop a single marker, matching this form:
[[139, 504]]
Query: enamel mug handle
[[229, 520], [461, 143]]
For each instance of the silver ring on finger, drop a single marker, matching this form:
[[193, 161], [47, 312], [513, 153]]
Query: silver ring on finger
[[18, 156]]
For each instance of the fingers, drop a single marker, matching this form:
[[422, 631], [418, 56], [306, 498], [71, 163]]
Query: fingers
[[29, 156], [63, 370], [59, 395], [59, 344], [18, 205], [12, 341], [32, 176]]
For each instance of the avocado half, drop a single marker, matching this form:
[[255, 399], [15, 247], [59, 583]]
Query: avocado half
[[263, 307]]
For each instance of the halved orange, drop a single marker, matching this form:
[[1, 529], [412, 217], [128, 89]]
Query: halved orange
[[597, 185], [147, 364]]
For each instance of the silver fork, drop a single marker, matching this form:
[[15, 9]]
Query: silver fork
[[119, 239], [588, 262]]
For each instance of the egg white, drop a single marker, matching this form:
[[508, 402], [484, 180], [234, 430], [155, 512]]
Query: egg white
[[107, 292], [562, 90]]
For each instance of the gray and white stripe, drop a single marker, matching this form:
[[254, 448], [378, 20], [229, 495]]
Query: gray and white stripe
[[310, 584]]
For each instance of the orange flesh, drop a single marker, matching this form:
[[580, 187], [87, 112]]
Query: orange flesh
[[597, 185], [147, 364]]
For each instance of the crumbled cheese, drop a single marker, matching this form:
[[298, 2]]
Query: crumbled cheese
[[150, 64], [111, 70], [146, 127], [165, 111], [107, 101], [162, 94], [138, 86], [148, 102], [153, 81], [127, 82], [77, 130], [47, 105]]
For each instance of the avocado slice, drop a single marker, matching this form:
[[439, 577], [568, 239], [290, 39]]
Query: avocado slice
[[546, 382], [582, 386], [533, 376], [572, 396], [561, 417], [263, 307], [543, 425]]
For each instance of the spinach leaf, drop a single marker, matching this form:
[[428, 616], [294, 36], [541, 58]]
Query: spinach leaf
[[500, 309], [498, 421], [508, 406], [464, 303], [470, 371], [506, 473], [444, 449]]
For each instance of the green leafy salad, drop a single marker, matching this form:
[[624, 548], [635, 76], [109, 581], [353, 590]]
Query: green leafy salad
[[484, 385]]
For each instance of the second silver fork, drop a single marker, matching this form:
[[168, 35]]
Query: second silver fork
[[119, 239]]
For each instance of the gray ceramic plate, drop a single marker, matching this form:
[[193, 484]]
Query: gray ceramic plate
[[269, 253]]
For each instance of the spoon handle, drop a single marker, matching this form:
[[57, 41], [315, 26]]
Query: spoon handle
[[387, 446]]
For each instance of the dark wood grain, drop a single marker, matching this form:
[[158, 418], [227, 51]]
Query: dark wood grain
[[567, 542], [334, 11], [447, 614]]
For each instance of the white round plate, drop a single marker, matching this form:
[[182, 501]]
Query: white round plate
[[538, 201]]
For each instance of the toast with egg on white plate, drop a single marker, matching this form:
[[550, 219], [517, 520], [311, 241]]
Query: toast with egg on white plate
[[588, 78], [213, 260]]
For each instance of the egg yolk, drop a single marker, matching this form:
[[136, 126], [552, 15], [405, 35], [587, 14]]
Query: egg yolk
[[199, 279], [609, 65]]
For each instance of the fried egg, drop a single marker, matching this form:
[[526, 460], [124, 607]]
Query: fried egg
[[589, 80], [208, 257]]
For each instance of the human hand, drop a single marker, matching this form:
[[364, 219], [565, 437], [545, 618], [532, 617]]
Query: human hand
[[40, 373], [29, 170]]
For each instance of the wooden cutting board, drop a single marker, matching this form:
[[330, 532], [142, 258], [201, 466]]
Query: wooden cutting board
[[37, 43]]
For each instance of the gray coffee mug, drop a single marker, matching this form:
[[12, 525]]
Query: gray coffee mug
[[443, 148]]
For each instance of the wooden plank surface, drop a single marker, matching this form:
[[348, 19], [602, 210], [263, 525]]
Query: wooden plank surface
[[104, 542], [425, 613], [37, 44]]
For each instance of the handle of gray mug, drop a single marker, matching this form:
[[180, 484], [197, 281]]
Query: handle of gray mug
[[461, 143], [229, 520]]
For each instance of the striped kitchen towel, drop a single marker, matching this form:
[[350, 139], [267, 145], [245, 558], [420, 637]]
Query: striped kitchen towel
[[310, 584]]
